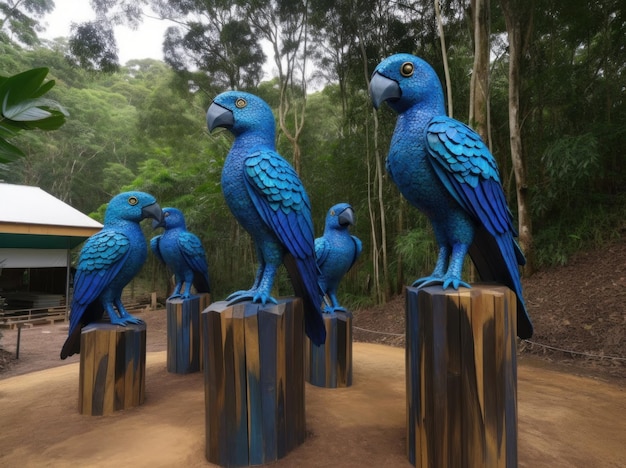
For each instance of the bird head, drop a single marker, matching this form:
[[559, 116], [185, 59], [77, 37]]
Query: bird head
[[241, 112], [133, 206], [404, 81], [172, 218], [340, 216]]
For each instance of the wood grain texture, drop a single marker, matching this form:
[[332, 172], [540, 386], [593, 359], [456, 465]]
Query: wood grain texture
[[461, 377], [254, 381], [184, 340], [112, 368], [330, 365]]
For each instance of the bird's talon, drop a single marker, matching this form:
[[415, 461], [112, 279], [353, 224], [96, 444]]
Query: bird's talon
[[426, 281]]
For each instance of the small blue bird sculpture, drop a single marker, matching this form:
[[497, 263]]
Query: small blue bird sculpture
[[443, 168], [106, 264], [336, 251], [267, 198], [182, 252]]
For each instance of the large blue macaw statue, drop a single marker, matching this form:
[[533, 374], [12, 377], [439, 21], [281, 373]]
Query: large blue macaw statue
[[336, 251], [107, 263], [267, 198], [182, 252], [443, 168]]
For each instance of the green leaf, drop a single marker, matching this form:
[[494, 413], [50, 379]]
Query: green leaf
[[8, 152], [53, 122], [22, 86], [25, 111]]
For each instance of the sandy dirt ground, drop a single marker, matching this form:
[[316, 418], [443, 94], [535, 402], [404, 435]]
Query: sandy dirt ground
[[564, 420]]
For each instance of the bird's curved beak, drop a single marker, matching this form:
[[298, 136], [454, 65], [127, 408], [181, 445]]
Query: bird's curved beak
[[346, 217], [218, 116], [158, 223], [153, 211], [382, 89]]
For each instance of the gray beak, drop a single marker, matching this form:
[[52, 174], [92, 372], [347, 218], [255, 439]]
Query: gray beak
[[346, 218], [218, 116], [382, 89], [153, 211], [158, 223]]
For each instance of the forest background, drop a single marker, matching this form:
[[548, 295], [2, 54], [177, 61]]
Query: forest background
[[542, 82]]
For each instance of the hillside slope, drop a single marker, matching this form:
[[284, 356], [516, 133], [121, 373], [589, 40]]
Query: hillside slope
[[578, 311]]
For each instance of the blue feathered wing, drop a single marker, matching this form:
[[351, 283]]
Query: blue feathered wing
[[100, 261], [155, 246], [192, 251], [469, 172], [322, 250], [284, 206]]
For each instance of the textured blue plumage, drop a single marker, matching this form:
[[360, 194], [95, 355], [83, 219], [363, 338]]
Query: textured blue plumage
[[267, 198], [107, 263], [336, 251], [182, 252], [443, 168]]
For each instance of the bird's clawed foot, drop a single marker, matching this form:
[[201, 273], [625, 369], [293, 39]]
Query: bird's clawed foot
[[445, 281], [123, 321], [453, 281], [254, 295], [332, 309], [427, 281]]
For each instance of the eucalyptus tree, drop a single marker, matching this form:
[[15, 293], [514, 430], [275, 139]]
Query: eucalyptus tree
[[285, 26], [212, 38], [20, 20]]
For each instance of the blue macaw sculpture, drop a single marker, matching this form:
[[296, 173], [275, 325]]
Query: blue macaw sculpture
[[443, 168], [182, 252], [336, 251], [106, 264], [267, 198]]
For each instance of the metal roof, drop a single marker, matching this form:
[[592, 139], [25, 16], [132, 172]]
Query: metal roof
[[32, 218]]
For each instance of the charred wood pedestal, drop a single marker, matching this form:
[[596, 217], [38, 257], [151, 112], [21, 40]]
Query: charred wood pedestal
[[253, 381], [112, 368], [330, 365], [184, 340], [461, 376]]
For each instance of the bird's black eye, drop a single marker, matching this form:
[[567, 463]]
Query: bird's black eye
[[166, 214], [406, 69], [132, 201], [241, 103], [332, 212]]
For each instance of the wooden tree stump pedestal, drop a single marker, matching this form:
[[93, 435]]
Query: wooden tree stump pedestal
[[253, 381], [330, 365], [184, 343], [112, 368], [461, 377]]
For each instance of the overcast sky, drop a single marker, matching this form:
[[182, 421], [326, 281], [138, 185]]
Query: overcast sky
[[145, 42]]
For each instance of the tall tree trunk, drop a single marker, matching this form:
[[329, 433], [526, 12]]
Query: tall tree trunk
[[515, 12], [383, 292], [444, 56], [479, 83]]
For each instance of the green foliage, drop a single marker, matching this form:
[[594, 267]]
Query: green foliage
[[143, 127], [417, 251], [570, 165], [25, 108]]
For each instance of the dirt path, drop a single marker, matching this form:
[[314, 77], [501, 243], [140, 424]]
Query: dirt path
[[564, 420]]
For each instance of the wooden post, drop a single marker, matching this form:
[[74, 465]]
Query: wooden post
[[184, 340], [112, 368], [253, 381], [330, 365], [461, 377]]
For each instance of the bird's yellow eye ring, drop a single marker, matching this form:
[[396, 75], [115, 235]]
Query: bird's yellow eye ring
[[407, 69], [132, 201], [240, 103], [332, 212]]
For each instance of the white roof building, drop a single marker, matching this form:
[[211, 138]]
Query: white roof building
[[37, 229]]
